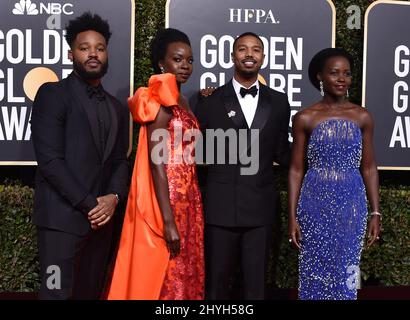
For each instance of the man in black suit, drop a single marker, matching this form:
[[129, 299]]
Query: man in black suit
[[80, 137], [240, 195]]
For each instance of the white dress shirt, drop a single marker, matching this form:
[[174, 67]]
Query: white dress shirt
[[248, 102]]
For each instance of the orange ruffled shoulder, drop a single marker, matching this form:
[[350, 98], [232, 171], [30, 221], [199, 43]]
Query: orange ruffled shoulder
[[143, 257], [162, 90]]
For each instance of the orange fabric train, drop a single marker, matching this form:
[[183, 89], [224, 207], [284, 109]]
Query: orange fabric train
[[142, 257]]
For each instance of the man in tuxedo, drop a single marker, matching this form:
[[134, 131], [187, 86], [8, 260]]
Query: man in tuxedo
[[80, 137], [240, 205]]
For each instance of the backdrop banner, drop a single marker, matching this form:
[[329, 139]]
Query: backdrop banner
[[386, 81], [33, 50], [292, 32]]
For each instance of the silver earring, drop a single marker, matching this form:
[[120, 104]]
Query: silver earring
[[347, 93], [162, 69], [322, 93]]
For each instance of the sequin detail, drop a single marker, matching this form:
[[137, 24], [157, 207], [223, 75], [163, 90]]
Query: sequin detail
[[332, 213], [184, 279]]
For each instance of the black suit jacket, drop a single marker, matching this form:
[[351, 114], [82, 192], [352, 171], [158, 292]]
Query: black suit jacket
[[233, 199], [72, 169]]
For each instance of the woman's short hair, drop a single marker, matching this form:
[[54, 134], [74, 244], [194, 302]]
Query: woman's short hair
[[160, 43], [318, 62]]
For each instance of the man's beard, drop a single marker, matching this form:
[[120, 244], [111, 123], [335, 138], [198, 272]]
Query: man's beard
[[87, 75], [248, 74]]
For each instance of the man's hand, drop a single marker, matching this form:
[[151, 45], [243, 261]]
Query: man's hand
[[103, 212], [207, 91]]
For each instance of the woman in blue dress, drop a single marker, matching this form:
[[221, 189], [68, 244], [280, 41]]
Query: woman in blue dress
[[327, 205]]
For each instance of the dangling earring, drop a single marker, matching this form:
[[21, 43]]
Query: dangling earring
[[162, 69], [322, 93], [347, 93]]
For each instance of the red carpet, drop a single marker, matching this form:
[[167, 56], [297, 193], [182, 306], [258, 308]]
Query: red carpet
[[367, 293]]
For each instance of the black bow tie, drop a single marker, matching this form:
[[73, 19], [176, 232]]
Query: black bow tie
[[98, 91], [252, 91]]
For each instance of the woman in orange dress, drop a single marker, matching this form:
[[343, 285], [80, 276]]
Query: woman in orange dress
[[160, 254]]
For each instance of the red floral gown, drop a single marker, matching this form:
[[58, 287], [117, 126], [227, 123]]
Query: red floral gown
[[143, 269], [184, 277]]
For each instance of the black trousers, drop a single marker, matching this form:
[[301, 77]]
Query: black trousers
[[225, 247], [72, 266]]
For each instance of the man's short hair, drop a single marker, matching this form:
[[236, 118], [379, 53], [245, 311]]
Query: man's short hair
[[87, 21], [245, 35]]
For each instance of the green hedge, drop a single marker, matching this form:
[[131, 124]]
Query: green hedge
[[390, 260], [19, 269], [387, 263]]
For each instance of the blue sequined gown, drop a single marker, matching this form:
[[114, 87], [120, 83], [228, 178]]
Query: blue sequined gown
[[332, 213]]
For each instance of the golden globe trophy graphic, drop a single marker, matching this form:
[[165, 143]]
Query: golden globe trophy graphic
[[35, 78]]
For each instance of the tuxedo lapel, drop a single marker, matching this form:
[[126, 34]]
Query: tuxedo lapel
[[262, 114], [233, 107], [263, 109], [113, 129], [80, 97]]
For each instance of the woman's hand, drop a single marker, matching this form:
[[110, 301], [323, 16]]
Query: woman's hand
[[171, 236], [295, 236], [373, 230]]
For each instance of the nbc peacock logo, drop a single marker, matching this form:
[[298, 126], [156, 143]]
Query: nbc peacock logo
[[25, 7]]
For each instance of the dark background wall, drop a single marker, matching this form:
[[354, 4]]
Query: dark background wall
[[150, 15]]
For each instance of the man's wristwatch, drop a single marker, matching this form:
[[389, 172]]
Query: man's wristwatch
[[117, 196]]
